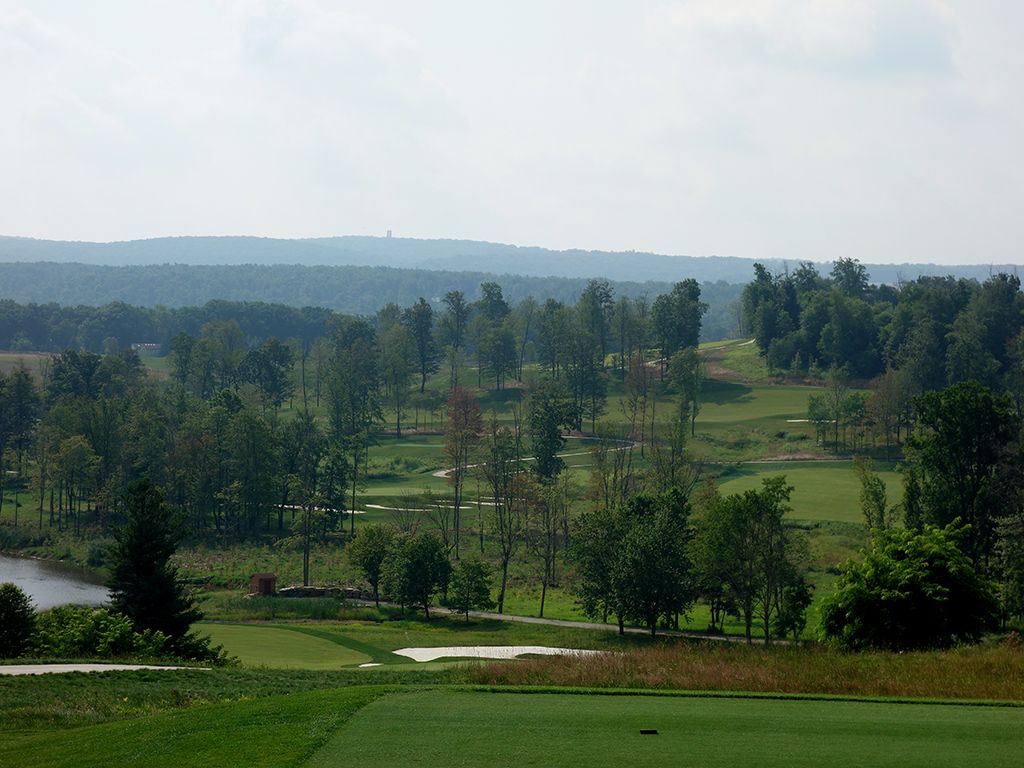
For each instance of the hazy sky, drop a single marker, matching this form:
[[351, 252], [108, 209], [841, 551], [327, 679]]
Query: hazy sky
[[888, 130]]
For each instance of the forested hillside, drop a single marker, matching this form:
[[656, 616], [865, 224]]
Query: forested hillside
[[351, 290], [452, 255]]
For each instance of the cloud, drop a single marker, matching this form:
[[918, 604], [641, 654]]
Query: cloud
[[854, 37]]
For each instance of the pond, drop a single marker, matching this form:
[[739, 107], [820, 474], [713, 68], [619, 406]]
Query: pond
[[50, 584]]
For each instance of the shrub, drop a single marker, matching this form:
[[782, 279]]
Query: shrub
[[72, 632], [17, 618], [910, 591]]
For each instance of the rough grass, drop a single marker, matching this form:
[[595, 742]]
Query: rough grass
[[280, 731], [992, 672], [234, 565], [32, 703]]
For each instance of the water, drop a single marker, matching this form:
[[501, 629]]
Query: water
[[50, 584]]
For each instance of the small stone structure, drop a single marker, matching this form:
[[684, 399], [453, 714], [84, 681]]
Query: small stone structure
[[263, 583]]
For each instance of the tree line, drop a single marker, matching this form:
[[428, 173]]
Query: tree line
[[50, 306]]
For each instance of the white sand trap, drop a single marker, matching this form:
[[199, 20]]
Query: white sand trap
[[370, 664], [487, 652]]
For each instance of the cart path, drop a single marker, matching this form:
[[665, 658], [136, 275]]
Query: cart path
[[49, 669]]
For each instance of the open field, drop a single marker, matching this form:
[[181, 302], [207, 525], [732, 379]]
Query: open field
[[369, 726], [33, 361]]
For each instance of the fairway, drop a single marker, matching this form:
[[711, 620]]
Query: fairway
[[822, 490], [443, 728], [281, 648]]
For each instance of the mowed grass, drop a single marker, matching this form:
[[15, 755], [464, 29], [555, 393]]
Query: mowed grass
[[281, 648], [821, 490], [442, 728], [377, 726], [336, 645]]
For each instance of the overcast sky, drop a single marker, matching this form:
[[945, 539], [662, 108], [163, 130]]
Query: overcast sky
[[888, 130]]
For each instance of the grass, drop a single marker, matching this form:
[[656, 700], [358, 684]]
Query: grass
[[73, 700], [430, 728], [33, 361], [989, 672], [281, 648], [822, 491], [377, 725], [233, 566], [278, 731]]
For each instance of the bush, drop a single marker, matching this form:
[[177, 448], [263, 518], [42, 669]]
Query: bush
[[910, 591], [17, 618], [70, 632]]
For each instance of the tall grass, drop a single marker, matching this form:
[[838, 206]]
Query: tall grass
[[994, 671]]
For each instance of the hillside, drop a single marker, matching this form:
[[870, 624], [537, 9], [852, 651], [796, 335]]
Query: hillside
[[452, 255]]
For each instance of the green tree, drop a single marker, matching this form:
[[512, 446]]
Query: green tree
[[547, 413], [910, 591], [369, 551], [873, 502], [144, 584], [17, 620], [419, 319], [651, 571], [676, 317], [471, 587], [415, 570], [758, 554], [960, 450], [686, 373]]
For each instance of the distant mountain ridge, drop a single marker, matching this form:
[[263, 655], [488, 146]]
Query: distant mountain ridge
[[448, 255]]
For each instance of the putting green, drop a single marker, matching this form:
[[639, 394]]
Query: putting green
[[281, 648], [433, 728]]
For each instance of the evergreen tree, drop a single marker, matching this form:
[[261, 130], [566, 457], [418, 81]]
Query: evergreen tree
[[144, 585]]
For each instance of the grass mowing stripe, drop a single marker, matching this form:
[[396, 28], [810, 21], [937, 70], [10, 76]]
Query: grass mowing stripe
[[376, 654], [275, 731], [273, 646], [447, 727]]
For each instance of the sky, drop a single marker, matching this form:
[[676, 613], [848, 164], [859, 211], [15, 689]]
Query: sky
[[884, 130]]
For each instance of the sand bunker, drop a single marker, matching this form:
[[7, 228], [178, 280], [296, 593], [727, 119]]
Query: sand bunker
[[487, 652]]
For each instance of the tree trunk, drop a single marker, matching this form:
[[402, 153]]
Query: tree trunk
[[504, 582]]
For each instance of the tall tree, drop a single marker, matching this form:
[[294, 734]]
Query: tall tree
[[419, 319], [965, 441], [144, 584], [353, 401], [548, 412], [461, 435], [676, 317]]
